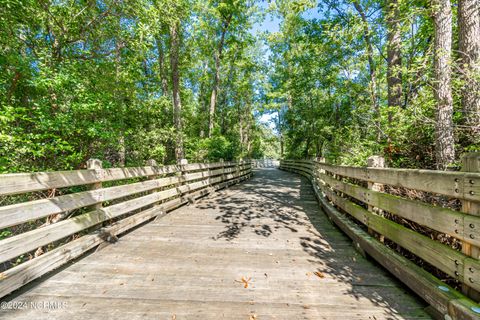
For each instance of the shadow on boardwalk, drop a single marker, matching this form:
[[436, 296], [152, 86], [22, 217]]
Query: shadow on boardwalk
[[262, 249], [275, 200]]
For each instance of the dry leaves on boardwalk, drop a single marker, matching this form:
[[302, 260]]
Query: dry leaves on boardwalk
[[244, 281], [317, 273]]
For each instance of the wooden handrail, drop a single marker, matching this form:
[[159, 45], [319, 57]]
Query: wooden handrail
[[143, 200], [328, 181], [461, 185], [17, 183], [441, 219]]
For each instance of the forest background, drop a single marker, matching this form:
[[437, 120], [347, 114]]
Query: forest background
[[127, 81]]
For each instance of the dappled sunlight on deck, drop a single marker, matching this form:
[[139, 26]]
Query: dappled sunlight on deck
[[262, 249]]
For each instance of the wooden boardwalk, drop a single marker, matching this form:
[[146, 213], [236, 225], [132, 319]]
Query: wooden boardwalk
[[268, 231]]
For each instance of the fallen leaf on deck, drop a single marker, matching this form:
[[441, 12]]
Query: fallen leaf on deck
[[319, 274], [245, 282], [253, 317], [2, 276]]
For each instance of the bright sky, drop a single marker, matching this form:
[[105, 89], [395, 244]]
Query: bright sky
[[271, 23]]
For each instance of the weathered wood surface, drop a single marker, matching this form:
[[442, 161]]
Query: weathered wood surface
[[438, 218], [461, 185], [443, 257], [189, 264], [443, 299], [26, 211], [17, 183], [26, 272], [471, 163]]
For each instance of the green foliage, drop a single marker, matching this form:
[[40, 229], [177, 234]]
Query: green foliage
[[94, 79], [320, 85], [82, 80], [218, 147], [5, 233]]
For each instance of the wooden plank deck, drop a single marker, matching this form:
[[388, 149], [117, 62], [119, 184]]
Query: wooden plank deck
[[190, 264]]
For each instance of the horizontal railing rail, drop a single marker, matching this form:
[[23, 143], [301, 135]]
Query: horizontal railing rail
[[356, 191], [102, 213], [265, 163]]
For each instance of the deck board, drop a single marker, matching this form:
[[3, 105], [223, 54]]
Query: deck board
[[189, 265]]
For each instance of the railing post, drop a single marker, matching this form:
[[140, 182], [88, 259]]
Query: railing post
[[152, 163], [317, 169], [223, 169], [249, 164], [237, 167], [321, 160], [375, 162], [95, 164], [181, 163], [470, 163]]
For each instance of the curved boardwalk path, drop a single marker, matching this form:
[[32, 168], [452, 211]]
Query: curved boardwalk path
[[190, 264]]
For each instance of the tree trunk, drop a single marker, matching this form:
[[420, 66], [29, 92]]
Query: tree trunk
[[307, 146], [280, 133], [394, 55], [240, 128], [121, 153], [248, 130], [216, 79], [177, 104], [444, 140], [121, 149], [203, 102], [161, 67], [371, 66], [469, 47], [213, 97]]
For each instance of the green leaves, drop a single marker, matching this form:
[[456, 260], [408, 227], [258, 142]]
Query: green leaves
[[91, 79]]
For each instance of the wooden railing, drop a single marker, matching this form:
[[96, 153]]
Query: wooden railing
[[353, 199], [265, 163], [102, 212]]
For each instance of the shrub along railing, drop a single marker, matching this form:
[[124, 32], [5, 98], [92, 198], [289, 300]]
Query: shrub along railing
[[352, 198], [102, 212]]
